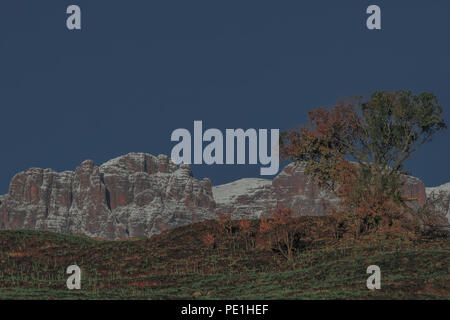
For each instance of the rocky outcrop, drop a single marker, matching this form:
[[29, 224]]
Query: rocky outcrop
[[130, 196], [141, 195], [294, 189], [439, 198]]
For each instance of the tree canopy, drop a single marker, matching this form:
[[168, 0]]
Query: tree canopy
[[381, 132], [358, 149]]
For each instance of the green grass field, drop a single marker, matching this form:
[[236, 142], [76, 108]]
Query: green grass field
[[178, 265]]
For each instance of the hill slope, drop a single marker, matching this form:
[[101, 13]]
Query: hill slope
[[178, 265]]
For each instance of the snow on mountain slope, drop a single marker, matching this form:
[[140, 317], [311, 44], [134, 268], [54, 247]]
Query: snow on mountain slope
[[226, 193], [440, 198], [140, 195]]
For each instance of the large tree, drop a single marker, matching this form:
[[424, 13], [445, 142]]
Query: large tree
[[378, 134]]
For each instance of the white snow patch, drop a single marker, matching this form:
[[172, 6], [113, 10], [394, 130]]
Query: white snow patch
[[225, 193], [442, 188]]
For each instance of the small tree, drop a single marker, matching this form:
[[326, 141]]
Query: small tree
[[209, 240], [246, 233], [225, 229], [281, 231], [225, 223]]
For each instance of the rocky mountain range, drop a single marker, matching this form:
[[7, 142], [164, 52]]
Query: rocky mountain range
[[140, 195]]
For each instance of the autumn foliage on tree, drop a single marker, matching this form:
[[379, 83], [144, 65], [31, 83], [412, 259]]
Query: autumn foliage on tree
[[246, 233], [280, 231], [358, 149], [209, 240], [225, 224]]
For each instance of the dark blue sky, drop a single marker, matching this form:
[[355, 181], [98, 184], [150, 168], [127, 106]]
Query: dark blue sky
[[140, 69]]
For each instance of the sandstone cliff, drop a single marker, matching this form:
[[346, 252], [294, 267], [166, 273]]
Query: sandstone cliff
[[294, 189], [140, 195], [133, 195]]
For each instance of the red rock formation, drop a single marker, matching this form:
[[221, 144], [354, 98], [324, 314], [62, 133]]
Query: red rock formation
[[140, 195], [294, 189], [133, 195]]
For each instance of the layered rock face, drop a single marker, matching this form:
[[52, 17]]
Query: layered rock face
[[440, 199], [294, 189], [130, 196], [141, 195]]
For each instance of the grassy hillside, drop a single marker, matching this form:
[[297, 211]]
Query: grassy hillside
[[178, 265]]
